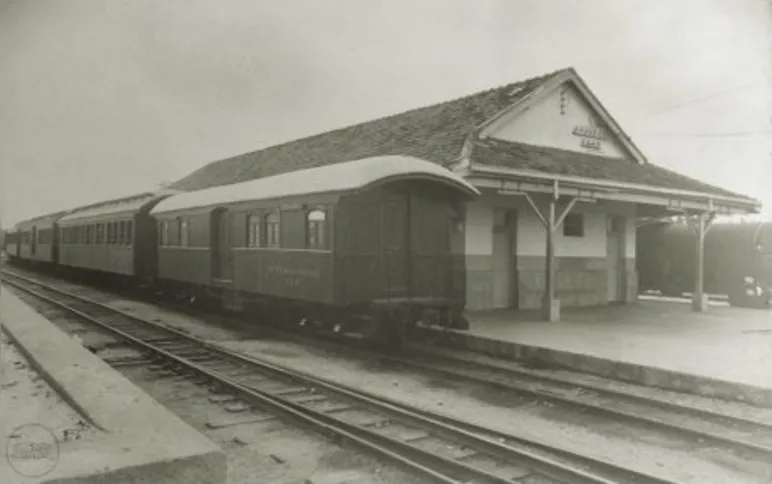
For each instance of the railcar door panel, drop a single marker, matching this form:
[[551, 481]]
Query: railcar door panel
[[222, 263], [430, 259], [394, 247]]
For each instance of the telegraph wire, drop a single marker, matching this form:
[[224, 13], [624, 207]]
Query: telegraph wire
[[708, 97], [735, 134]]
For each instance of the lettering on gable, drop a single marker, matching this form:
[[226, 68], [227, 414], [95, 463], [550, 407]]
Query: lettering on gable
[[563, 119], [591, 136]]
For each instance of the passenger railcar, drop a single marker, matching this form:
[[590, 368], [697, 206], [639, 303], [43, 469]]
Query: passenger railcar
[[115, 237], [735, 254], [362, 245], [37, 239], [11, 243]]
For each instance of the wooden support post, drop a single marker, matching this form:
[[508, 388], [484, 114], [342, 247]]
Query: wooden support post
[[550, 306], [551, 222], [700, 225]]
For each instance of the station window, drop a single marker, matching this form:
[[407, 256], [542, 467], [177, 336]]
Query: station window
[[129, 232], [615, 224], [83, 229], [253, 231], [100, 234], [573, 225], [110, 233], [273, 229], [183, 235], [315, 229]]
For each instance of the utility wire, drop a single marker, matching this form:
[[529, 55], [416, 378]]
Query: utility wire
[[712, 135], [708, 97]]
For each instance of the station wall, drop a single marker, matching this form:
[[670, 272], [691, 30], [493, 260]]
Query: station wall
[[585, 267]]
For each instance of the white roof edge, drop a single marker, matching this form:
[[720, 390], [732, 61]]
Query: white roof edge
[[338, 177], [114, 206], [483, 169]]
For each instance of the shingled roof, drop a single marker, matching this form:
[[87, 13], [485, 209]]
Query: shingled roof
[[555, 161], [436, 133]]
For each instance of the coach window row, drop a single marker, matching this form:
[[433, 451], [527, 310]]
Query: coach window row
[[264, 230], [44, 236], [182, 233], [110, 233]]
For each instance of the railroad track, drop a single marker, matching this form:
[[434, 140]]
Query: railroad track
[[749, 437], [443, 449]]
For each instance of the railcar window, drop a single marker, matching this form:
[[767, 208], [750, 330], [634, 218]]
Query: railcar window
[[315, 229], [183, 225], [164, 233], [273, 229], [129, 232], [253, 231], [573, 225], [100, 234]]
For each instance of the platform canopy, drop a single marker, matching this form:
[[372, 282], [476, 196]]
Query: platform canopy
[[339, 177]]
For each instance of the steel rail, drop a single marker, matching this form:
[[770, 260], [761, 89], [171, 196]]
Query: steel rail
[[439, 468]]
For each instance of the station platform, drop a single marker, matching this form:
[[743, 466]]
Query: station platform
[[724, 352], [69, 418]]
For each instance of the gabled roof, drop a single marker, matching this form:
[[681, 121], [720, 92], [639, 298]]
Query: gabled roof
[[339, 177], [445, 134]]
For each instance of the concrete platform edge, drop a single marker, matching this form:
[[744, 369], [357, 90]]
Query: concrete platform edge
[[55, 384], [619, 370], [140, 441]]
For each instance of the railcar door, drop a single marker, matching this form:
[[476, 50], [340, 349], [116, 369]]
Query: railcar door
[[394, 247], [222, 263], [34, 242]]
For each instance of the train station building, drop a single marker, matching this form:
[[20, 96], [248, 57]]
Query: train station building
[[562, 185]]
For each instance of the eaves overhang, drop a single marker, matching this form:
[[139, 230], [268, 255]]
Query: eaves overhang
[[509, 179]]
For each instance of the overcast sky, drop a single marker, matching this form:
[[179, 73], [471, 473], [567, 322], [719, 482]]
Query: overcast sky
[[100, 99]]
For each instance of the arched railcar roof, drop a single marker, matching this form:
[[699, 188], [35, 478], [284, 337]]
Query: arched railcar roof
[[120, 206], [339, 177], [47, 220]]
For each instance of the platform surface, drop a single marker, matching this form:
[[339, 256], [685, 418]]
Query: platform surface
[[723, 343], [136, 439]]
